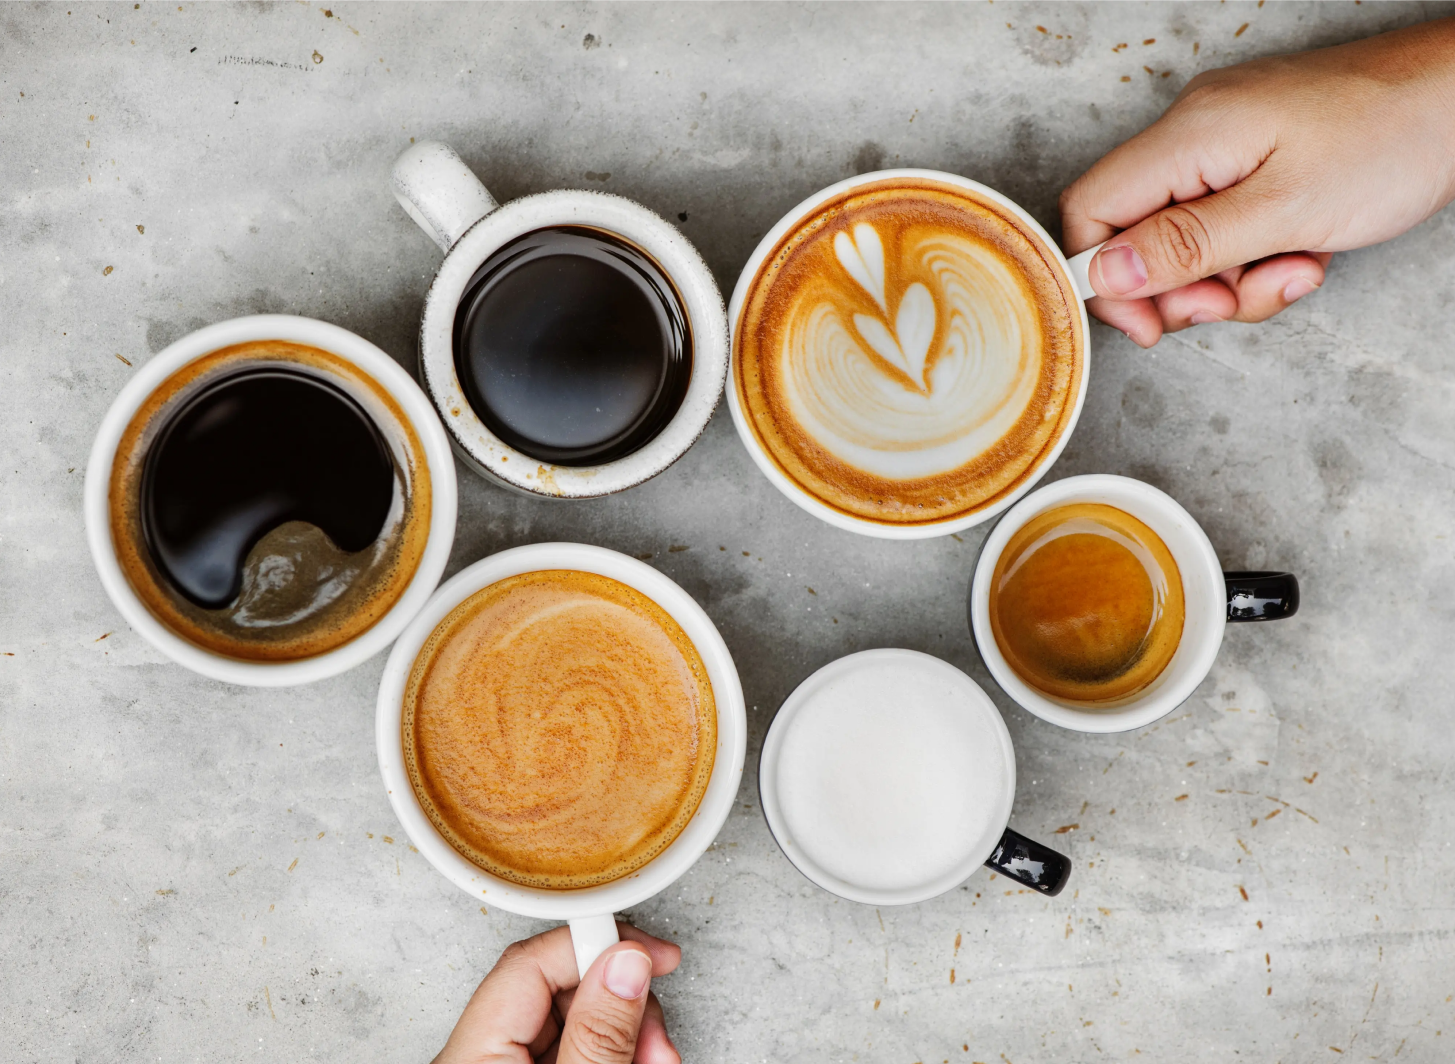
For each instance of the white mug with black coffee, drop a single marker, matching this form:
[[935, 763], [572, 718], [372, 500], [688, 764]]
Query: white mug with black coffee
[[269, 500], [909, 353], [573, 342]]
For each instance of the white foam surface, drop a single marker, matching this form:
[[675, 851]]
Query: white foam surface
[[967, 351], [893, 773]]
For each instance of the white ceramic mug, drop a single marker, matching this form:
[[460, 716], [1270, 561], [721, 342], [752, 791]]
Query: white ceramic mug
[[1211, 599], [450, 204], [388, 375], [1075, 270], [588, 909], [884, 739]]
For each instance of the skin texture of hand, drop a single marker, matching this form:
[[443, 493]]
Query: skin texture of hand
[[1230, 205], [531, 1010]]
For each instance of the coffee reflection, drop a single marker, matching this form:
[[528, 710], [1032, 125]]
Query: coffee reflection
[[909, 352]]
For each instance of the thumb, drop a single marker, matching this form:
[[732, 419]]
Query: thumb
[[606, 1012], [1190, 241]]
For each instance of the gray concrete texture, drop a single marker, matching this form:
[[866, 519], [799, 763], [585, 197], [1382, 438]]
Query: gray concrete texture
[[193, 871]]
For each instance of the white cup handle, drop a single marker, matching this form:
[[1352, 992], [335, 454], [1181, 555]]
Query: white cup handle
[[439, 191], [590, 936], [1080, 267]]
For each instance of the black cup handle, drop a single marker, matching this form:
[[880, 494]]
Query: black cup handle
[[1038, 867], [1261, 596]]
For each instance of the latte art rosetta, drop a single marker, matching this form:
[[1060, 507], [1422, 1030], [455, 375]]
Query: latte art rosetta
[[943, 387], [908, 353]]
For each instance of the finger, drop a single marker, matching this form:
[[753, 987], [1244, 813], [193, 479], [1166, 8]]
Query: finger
[[653, 1044], [607, 1009], [550, 1031], [1190, 241], [665, 955], [1199, 303], [1138, 318], [512, 1004], [1270, 286], [1185, 155]]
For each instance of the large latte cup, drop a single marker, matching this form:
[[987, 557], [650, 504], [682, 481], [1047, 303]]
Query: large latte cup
[[910, 353], [588, 909]]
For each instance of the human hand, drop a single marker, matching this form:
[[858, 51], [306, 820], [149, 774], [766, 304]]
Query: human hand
[[1230, 205], [531, 1010]]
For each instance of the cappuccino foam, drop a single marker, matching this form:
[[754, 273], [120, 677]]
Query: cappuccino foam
[[909, 352], [559, 729], [888, 778]]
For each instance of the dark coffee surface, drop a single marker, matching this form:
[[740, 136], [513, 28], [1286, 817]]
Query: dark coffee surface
[[572, 346], [248, 453], [269, 501]]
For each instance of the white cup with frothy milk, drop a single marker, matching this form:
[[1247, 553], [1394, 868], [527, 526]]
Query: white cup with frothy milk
[[912, 383], [887, 777]]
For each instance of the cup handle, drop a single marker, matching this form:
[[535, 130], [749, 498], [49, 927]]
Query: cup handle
[[1038, 867], [590, 936], [1080, 267], [439, 191], [1261, 596]]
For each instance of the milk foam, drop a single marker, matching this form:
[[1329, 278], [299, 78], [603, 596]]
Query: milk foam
[[889, 777], [939, 378]]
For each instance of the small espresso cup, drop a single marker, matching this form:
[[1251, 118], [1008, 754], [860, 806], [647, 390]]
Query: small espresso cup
[[450, 204], [887, 778], [387, 378], [587, 909], [1074, 283], [1212, 598]]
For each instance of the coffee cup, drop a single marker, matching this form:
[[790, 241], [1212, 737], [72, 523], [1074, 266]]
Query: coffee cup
[[587, 909], [1211, 599], [552, 422], [887, 778], [414, 500], [915, 391]]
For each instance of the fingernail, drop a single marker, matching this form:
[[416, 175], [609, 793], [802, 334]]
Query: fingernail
[[1204, 317], [1122, 269], [627, 973], [1297, 289]]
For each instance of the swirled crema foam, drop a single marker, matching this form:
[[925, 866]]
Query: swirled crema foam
[[909, 353], [891, 775], [559, 729]]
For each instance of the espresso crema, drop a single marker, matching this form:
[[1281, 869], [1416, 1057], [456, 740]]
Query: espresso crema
[[559, 729], [231, 476], [909, 353]]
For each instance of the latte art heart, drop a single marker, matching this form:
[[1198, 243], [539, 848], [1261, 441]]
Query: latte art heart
[[909, 354]]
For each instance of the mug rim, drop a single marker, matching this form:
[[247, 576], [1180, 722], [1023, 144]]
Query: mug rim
[[712, 811], [801, 496], [1137, 498], [337, 341], [768, 785], [701, 302]]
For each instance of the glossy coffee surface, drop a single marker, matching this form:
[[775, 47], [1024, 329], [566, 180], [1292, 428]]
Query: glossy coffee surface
[[572, 346], [1086, 603], [559, 729], [909, 353], [269, 502]]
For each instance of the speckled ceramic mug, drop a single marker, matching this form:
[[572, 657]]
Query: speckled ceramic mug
[[450, 204]]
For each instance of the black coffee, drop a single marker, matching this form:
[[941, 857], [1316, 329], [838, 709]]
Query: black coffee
[[248, 453], [572, 346]]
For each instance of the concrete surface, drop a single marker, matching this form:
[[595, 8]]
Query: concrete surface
[[195, 871]]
